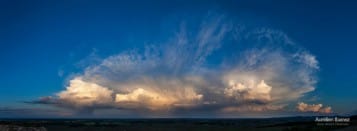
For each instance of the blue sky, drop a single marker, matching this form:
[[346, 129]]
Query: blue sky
[[46, 44]]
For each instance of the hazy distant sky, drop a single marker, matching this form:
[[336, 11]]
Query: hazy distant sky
[[177, 58]]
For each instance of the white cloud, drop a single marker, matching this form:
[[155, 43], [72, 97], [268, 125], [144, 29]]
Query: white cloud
[[250, 90], [80, 93], [303, 107], [307, 58], [282, 79], [157, 94]]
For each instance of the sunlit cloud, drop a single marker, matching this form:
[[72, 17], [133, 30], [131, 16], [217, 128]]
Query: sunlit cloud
[[157, 94], [248, 91], [80, 93], [264, 70], [317, 108]]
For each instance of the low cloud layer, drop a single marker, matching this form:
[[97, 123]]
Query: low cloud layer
[[317, 108], [220, 66], [11, 112]]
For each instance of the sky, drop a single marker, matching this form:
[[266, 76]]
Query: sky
[[230, 58]]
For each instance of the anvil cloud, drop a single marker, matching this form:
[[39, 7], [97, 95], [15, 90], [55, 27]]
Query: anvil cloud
[[254, 70]]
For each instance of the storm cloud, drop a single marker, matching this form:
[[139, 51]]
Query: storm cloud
[[222, 66]]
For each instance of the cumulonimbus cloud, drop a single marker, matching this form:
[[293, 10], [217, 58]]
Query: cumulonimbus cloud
[[223, 66], [249, 91], [80, 93], [318, 108]]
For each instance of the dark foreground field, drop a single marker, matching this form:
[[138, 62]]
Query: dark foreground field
[[290, 123]]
